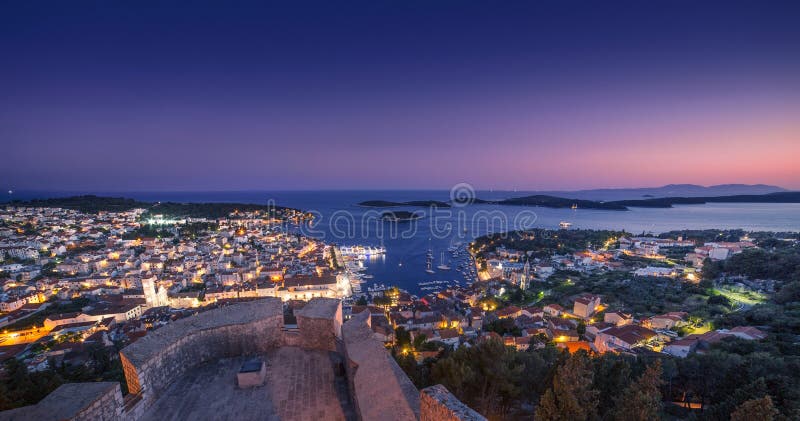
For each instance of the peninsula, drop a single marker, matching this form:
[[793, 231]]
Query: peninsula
[[95, 204]]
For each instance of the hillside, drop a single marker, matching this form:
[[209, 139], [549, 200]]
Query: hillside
[[94, 204]]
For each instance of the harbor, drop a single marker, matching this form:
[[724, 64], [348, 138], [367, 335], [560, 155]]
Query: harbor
[[455, 267]]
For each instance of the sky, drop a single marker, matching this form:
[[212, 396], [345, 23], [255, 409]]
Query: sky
[[378, 94]]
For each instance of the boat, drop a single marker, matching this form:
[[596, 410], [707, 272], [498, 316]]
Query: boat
[[564, 225], [363, 252], [429, 262], [443, 265], [574, 206]]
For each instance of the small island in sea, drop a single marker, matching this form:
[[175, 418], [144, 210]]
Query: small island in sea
[[547, 201], [558, 202], [400, 216]]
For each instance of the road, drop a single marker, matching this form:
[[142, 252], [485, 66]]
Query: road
[[21, 336]]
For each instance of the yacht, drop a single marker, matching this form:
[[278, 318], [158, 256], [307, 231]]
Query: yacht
[[429, 262], [443, 265], [564, 225]]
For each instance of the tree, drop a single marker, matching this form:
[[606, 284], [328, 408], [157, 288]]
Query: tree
[[719, 300], [419, 340], [750, 391], [641, 401], [503, 326], [788, 293], [755, 409], [416, 372], [612, 373], [382, 301], [711, 269], [23, 388], [572, 396], [402, 338], [485, 377]]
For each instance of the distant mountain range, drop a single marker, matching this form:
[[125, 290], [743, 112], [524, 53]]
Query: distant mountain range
[[667, 202], [617, 205], [670, 190]]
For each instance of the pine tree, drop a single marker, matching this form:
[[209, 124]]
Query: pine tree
[[571, 398], [755, 409], [641, 401]]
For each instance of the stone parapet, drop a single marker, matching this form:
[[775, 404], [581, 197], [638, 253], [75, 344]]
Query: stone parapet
[[438, 404], [380, 388], [101, 401], [320, 324], [156, 360]]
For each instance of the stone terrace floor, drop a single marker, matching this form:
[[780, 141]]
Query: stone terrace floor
[[301, 385]]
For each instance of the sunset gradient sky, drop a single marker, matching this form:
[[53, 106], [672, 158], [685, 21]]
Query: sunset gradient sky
[[398, 94]]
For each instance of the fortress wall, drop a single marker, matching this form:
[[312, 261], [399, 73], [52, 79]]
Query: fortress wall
[[100, 401], [380, 388], [438, 404], [320, 323], [292, 338], [105, 406], [155, 361]]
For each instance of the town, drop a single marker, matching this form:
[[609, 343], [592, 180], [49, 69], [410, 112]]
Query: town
[[680, 298], [78, 287], [73, 281]]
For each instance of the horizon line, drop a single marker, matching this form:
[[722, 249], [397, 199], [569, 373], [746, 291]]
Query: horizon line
[[437, 189]]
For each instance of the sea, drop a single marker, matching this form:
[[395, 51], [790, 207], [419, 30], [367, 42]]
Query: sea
[[340, 220]]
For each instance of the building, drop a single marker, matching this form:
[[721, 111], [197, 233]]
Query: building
[[746, 332], [666, 321], [308, 287], [553, 310], [586, 305], [681, 348], [618, 318], [623, 338], [657, 272], [510, 311], [153, 297]]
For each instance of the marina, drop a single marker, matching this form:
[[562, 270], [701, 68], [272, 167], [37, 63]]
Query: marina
[[358, 262]]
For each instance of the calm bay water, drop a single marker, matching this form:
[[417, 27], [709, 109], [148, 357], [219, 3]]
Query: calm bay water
[[341, 221]]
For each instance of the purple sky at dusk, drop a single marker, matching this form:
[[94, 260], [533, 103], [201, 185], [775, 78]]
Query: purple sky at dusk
[[302, 95]]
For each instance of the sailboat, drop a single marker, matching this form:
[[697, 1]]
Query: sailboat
[[429, 262], [443, 264]]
